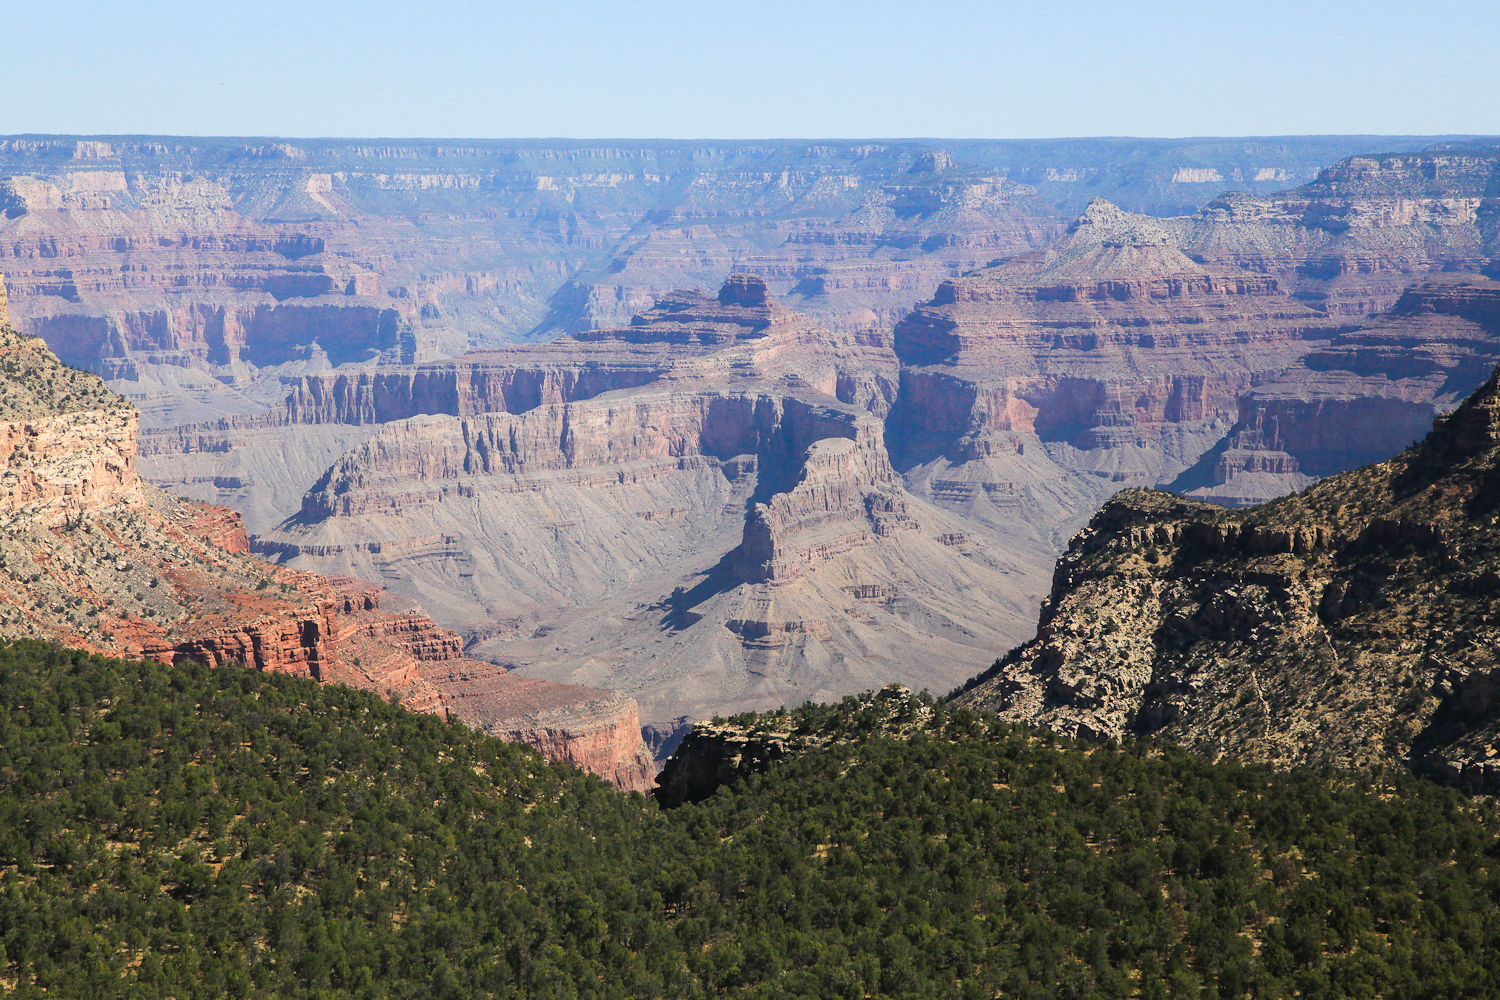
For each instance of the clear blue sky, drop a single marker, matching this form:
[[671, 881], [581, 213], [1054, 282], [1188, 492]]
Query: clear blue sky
[[732, 69]]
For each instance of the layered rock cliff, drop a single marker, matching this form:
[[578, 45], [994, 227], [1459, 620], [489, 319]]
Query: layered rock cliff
[[1352, 240], [1109, 356], [766, 521], [1353, 623], [1364, 395], [196, 271], [1127, 351], [91, 556], [730, 532]]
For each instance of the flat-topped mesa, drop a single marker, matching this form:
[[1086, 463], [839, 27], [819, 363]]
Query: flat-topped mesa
[[743, 310], [741, 289], [588, 443], [1438, 174]]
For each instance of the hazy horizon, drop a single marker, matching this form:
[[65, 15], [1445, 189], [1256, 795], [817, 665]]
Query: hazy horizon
[[915, 139]]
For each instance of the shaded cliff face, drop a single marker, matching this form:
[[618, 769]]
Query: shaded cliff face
[[93, 557], [719, 527], [1353, 623], [721, 752]]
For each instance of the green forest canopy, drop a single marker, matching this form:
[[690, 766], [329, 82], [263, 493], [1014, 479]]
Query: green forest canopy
[[190, 832]]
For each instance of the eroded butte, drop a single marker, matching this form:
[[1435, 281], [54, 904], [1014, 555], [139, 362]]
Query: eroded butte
[[697, 509]]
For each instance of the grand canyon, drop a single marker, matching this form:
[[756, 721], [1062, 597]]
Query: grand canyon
[[1007, 568], [722, 428]]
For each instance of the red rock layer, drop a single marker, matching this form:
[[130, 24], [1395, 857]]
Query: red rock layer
[[599, 731], [93, 557], [1110, 340]]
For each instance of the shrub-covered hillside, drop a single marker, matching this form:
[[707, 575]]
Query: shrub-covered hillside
[[185, 832]]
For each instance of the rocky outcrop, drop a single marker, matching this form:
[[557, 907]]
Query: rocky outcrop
[[713, 755], [1350, 624], [718, 753]]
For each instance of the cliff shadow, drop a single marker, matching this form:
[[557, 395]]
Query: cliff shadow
[[677, 607], [1202, 474], [916, 434], [775, 473], [1469, 713]]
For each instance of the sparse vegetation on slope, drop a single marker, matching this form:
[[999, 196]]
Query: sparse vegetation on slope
[[34, 383], [192, 832], [1353, 623]]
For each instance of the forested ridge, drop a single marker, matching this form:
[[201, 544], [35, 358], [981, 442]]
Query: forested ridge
[[191, 832]]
